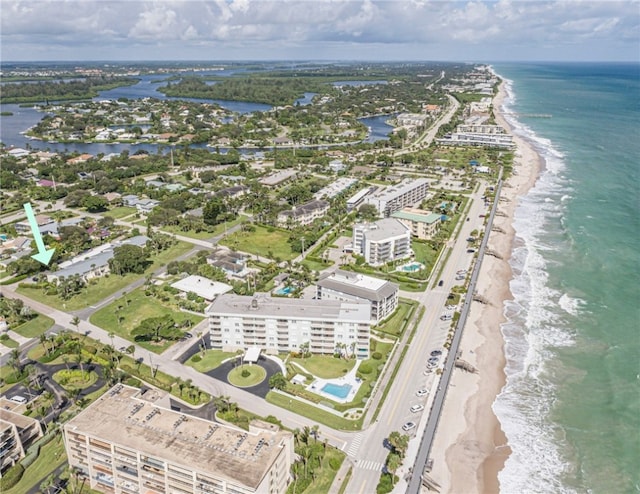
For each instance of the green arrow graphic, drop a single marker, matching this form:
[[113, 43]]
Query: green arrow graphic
[[44, 255]]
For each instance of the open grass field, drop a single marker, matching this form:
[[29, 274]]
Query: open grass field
[[265, 242], [100, 288], [325, 366], [134, 308], [34, 327], [312, 412], [119, 212]]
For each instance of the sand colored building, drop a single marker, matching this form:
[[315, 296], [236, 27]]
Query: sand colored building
[[130, 441], [17, 432]]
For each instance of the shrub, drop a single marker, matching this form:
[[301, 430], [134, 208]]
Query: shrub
[[11, 477], [272, 420], [91, 349], [245, 373], [4, 337], [196, 358], [132, 381], [376, 355]]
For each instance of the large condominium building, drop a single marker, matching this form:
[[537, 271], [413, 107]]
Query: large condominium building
[[407, 193], [423, 225], [382, 241], [131, 441], [284, 324], [349, 286], [479, 135], [17, 432]]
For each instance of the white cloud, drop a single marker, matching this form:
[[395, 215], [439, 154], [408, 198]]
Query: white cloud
[[432, 28]]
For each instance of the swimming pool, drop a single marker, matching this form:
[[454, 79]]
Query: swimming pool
[[414, 266], [339, 391], [283, 291]]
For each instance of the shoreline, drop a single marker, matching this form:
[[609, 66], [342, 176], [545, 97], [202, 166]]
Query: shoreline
[[474, 445]]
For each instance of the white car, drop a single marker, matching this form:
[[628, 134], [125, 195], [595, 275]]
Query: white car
[[422, 392], [408, 426], [446, 317], [416, 408]]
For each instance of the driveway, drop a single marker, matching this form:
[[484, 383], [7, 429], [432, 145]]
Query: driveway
[[261, 389]]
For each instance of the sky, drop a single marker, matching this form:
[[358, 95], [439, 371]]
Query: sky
[[490, 30]]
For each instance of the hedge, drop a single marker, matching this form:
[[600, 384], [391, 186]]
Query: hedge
[[11, 477]]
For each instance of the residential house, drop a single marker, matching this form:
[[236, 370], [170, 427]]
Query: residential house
[[202, 287]]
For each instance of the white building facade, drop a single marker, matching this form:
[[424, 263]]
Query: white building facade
[[281, 325], [348, 286], [407, 193], [382, 241]]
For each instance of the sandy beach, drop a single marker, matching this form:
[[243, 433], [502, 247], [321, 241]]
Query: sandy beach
[[470, 446]]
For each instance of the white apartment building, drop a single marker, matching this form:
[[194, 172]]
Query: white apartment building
[[130, 441], [423, 225], [284, 324], [305, 214], [17, 432], [479, 135], [382, 295], [382, 241], [407, 193]]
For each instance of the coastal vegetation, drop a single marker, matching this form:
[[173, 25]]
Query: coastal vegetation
[[42, 92]]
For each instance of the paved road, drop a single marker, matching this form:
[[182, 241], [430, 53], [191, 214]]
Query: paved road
[[431, 334], [441, 393]]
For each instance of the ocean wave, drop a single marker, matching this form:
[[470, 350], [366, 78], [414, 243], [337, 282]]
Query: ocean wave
[[536, 324]]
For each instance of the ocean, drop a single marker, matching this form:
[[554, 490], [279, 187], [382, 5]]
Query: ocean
[[571, 404]]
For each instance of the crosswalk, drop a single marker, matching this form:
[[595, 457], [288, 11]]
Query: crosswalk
[[369, 465], [355, 444]]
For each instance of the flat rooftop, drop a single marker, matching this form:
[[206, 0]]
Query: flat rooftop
[[359, 285], [124, 417], [289, 308]]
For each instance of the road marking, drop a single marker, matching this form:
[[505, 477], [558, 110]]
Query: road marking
[[355, 444], [369, 465]]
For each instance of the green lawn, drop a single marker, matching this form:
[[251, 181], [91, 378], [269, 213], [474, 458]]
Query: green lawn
[[211, 360], [100, 288], [397, 323], [256, 375], [325, 366], [9, 343], [51, 456], [34, 327], [75, 378], [134, 308], [312, 412], [266, 242], [119, 212]]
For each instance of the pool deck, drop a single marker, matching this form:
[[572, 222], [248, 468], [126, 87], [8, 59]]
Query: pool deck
[[349, 378]]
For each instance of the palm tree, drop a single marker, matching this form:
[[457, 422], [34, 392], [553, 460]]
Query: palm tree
[[14, 360], [76, 322], [43, 342]]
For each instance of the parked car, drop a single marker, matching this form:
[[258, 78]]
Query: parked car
[[422, 392], [445, 317], [441, 282], [436, 353], [408, 426], [416, 408]]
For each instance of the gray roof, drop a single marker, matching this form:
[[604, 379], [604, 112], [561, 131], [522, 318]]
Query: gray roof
[[261, 304], [306, 208], [358, 285], [384, 228], [101, 258]]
